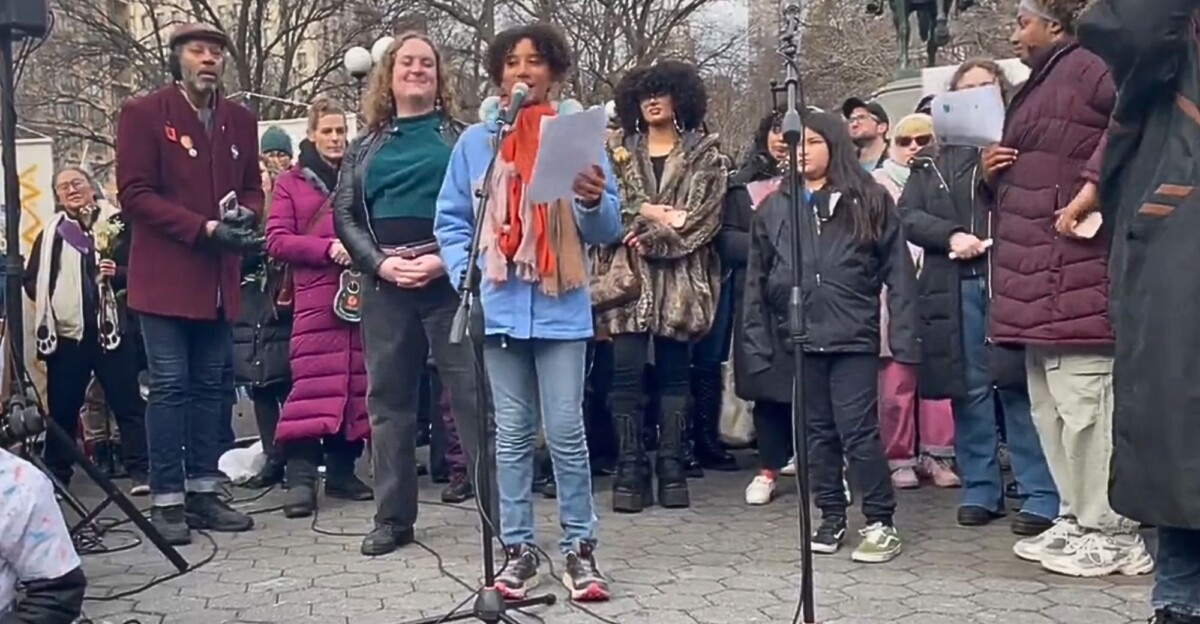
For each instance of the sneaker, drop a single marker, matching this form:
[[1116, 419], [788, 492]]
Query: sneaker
[[938, 470], [206, 511], [905, 478], [459, 490], [1099, 554], [385, 539], [171, 522], [881, 543], [790, 469], [140, 485], [828, 537], [520, 575], [761, 490], [1050, 543], [582, 578]]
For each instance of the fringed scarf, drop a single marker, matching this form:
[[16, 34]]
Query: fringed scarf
[[540, 241]]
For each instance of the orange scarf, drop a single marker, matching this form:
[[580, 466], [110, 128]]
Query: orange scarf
[[520, 148]]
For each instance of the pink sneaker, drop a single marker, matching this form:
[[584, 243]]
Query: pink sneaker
[[939, 471], [905, 479]]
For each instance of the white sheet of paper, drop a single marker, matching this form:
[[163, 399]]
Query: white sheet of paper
[[972, 117], [569, 144]]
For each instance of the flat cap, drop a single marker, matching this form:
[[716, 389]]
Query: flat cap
[[190, 32]]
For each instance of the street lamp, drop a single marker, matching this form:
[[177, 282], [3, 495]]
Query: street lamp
[[380, 47]]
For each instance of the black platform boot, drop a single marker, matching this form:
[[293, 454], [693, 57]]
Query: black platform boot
[[631, 491], [687, 451], [707, 387], [672, 482]]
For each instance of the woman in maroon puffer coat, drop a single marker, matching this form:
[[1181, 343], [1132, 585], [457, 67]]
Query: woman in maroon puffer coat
[[1050, 285], [327, 408]]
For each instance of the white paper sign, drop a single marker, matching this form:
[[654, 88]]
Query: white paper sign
[[569, 144], [972, 117]]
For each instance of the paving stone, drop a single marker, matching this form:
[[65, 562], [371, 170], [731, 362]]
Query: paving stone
[[719, 562]]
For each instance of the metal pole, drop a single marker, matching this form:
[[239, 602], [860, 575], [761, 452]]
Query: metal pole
[[14, 310]]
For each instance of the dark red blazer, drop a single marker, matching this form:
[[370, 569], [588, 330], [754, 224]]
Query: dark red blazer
[[171, 176]]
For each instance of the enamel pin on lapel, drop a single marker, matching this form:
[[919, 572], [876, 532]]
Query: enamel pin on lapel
[[234, 150], [186, 142]]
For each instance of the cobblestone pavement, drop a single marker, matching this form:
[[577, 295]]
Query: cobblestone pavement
[[720, 562]]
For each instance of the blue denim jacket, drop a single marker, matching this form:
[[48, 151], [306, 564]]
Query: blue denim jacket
[[516, 308]]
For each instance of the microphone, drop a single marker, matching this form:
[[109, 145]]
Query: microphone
[[516, 99]]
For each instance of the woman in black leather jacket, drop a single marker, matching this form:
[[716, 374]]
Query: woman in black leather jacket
[[383, 208]]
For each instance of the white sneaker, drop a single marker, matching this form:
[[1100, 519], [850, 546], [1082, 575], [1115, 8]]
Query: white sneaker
[[1051, 543], [1099, 554], [790, 469], [760, 491]]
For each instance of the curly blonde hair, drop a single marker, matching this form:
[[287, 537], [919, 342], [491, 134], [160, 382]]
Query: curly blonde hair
[[379, 106]]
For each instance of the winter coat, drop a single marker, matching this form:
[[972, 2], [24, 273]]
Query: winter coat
[[679, 270], [262, 332], [329, 377], [171, 176], [1050, 289], [842, 281], [1148, 187]]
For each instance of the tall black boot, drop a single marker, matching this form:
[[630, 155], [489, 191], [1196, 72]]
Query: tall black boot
[[631, 486], [687, 452], [672, 482], [301, 499], [707, 388], [340, 480]]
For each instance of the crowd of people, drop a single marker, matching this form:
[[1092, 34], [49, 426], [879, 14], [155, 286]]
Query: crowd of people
[[957, 301]]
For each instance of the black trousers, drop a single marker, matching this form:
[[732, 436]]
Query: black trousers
[[400, 328], [773, 426], [68, 372], [268, 403], [598, 418], [841, 410], [672, 365]]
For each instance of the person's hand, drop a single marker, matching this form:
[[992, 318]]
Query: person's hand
[[964, 246], [427, 268], [338, 254], [588, 186], [1070, 217], [997, 158], [631, 241], [674, 218], [243, 218], [108, 268], [236, 239]]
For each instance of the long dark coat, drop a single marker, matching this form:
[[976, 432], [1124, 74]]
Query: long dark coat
[[169, 190], [1149, 192]]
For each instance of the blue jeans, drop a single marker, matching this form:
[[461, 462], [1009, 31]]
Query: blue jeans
[[975, 437], [711, 351], [185, 414], [526, 375], [1177, 579]]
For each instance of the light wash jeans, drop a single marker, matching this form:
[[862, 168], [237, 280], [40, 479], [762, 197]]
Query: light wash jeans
[[524, 375]]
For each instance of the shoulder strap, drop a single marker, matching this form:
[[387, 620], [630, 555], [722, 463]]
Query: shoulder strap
[[326, 207]]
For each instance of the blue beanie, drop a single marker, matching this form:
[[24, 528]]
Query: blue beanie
[[275, 139]]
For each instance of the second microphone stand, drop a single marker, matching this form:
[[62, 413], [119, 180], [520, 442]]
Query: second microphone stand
[[793, 135], [489, 606]]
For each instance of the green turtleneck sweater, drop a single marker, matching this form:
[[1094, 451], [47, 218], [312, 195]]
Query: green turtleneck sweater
[[404, 178]]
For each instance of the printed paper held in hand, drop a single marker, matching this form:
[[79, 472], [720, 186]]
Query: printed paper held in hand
[[569, 145], [972, 117]]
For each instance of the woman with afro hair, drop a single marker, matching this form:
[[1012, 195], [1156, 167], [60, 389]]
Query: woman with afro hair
[[671, 179]]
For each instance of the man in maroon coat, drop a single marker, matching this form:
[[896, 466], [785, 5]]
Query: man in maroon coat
[[189, 182]]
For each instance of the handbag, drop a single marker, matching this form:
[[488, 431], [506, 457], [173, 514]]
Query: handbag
[[620, 284], [287, 287]]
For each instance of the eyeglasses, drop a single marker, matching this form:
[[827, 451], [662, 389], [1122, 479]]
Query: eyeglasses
[[858, 119], [921, 140], [71, 185]]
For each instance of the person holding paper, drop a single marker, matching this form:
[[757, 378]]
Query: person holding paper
[[1148, 195], [945, 213], [536, 306], [672, 180], [1050, 285]]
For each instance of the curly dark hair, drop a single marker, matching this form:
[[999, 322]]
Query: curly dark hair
[[547, 39], [677, 79], [1066, 12]]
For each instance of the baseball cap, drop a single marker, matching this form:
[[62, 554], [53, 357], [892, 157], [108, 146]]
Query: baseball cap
[[873, 107]]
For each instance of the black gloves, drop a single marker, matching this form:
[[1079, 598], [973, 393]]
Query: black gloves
[[236, 238], [244, 218]]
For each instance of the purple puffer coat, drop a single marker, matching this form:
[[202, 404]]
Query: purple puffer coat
[[329, 376]]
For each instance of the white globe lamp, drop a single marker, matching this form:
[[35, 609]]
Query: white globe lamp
[[380, 47], [357, 62]]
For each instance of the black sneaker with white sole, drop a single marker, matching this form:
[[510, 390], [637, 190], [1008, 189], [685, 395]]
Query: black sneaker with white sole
[[521, 573], [582, 578], [828, 537]]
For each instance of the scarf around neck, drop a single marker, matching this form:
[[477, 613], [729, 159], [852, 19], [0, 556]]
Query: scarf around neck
[[311, 160], [541, 241], [896, 172]]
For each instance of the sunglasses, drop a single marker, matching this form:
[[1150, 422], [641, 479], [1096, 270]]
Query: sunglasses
[[921, 140]]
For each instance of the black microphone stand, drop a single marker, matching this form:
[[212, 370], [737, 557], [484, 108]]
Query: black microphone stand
[[14, 310], [490, 606], [793, 135]]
